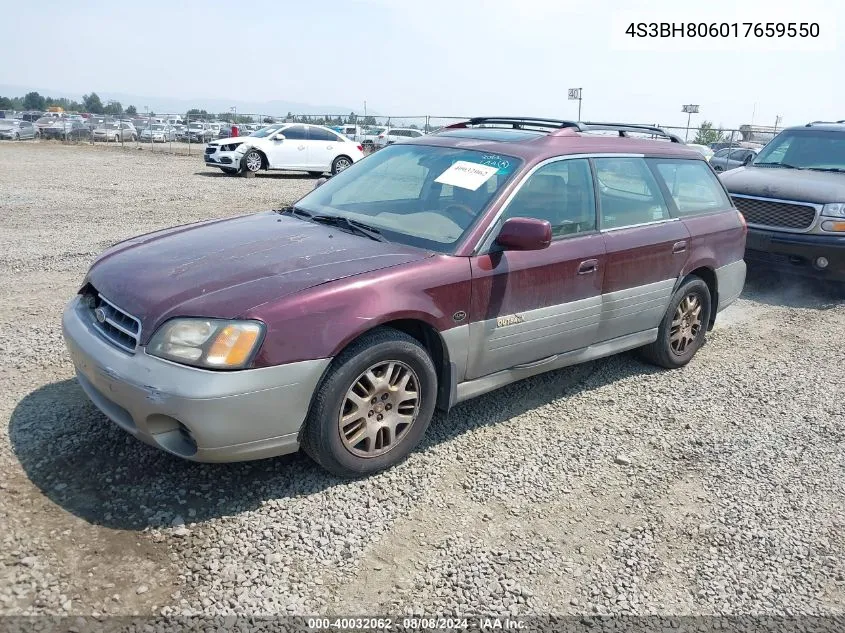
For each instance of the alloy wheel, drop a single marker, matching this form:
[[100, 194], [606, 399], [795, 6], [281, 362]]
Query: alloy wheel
[[341, 164], [253, 161], [686, 324], [379, 409]]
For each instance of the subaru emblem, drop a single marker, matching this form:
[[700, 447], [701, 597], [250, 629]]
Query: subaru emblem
[[100, 315]]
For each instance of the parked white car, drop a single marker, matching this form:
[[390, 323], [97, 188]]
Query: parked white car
[[393, 134], [290, 146]]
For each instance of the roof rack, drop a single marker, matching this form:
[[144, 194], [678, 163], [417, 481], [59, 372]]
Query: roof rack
[[625, 128], [517, 122]]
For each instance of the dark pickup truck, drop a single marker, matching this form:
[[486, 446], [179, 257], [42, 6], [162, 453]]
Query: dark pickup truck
[[793, 198]]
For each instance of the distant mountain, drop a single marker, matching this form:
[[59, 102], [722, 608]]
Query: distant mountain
[[164, 105]]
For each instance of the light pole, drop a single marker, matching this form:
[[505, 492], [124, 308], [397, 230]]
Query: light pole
[[690, 109], [778, 119], [575, 93]]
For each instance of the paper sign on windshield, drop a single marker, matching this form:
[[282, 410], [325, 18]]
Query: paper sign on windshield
[[466, 175]]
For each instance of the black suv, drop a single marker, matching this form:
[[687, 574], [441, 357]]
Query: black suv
[[793, 199]]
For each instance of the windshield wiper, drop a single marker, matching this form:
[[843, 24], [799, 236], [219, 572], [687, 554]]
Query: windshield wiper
[[784, 165], [295, 211], [352, 226], [835, 169]]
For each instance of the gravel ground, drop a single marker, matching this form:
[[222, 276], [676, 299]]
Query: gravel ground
[[608, 488]]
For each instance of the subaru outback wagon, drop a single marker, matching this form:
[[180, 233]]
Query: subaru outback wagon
[[426, 274]]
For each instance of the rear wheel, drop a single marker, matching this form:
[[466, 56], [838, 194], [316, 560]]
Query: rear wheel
[[681, 333], [340, 163], [374, 405]]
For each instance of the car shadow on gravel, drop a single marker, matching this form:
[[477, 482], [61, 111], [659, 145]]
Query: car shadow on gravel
[[268, 175], [92, 469], [778, 289]]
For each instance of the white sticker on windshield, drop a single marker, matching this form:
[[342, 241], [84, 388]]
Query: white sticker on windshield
[[466, 175]]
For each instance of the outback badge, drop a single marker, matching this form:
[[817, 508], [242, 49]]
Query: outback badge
[[511, 319]]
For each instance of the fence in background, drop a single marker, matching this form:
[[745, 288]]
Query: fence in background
[[187, 134]]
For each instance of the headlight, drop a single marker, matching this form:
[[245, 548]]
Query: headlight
[[834, 210], [242, 148], [210, 343]]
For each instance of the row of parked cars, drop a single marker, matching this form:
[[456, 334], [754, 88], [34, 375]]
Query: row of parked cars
[[376, 137], [60, 125]]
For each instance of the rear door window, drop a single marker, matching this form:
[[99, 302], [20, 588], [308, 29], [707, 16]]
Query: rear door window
[[628, 193], [319, 134], [295, 133], [692, 186]]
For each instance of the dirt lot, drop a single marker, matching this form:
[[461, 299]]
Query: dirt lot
[[607, 488]]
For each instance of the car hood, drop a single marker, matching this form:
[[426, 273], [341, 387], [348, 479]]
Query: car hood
[[786, 184], [224, 268], [229, 139]]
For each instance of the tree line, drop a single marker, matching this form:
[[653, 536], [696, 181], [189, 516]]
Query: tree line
[[93, 104]]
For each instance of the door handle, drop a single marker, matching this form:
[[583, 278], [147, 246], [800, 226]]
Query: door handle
[[301, 147], [329, 146], [679, 247], [588, 266]]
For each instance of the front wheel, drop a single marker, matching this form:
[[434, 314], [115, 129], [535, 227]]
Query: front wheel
[[340, 163], [681, 332], [251, 163], [374, 405]]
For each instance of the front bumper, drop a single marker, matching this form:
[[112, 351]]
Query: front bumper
[[797, 253], [223, 159], [201, 415]]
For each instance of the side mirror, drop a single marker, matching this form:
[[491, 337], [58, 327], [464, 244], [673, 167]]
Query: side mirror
[[525, 234], [279, 137]]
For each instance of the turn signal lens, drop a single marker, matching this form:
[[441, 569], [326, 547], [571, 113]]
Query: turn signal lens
[[833, 226], [211, 343], [233, 345]]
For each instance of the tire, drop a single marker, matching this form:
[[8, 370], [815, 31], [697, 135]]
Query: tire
[[229, 170], [251, 163], [17, 136], [340, 163], [674, 354], [323, 437], [316, 174], [116, 138]]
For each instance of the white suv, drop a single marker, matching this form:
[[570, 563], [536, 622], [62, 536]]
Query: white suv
[[394, 134], [292, 146]]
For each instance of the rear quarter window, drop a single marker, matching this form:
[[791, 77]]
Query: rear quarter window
[[692, 186]]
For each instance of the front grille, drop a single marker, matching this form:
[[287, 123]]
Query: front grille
[[788, 215], [117, 326]]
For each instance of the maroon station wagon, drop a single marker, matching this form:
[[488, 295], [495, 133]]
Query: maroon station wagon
[[431, 272]]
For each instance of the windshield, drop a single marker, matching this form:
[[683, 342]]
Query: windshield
[[158, 127], [415, 194], [810, 149], [267, 131]]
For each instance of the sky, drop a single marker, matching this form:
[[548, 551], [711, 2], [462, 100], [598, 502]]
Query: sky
[[439, 57]]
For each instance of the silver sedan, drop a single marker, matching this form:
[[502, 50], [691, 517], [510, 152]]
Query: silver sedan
[[15, 129]]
